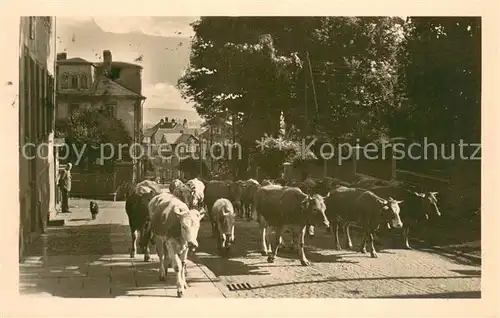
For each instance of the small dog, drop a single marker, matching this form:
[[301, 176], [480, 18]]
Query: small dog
[[94, 209]]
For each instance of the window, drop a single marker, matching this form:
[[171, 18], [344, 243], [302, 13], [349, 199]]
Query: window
[[74, 81], [32, 27], [73, 108], [83, 81], [109, 109], [65, 81]]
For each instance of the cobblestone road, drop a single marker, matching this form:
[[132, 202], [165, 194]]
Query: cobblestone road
[[90, 259], [337, 274]]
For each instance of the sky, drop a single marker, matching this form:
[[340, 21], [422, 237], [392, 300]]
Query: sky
[[163, 43]]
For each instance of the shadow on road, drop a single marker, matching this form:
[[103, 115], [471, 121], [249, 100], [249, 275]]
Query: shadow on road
[[359, 279], [89, 261], [463, 295]]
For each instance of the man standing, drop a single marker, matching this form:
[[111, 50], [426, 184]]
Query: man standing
[[65, 186]]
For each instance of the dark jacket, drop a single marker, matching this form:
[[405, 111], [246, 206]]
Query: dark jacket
[[65, 180]]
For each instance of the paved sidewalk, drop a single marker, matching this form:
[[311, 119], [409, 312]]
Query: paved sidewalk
[[90, 259]]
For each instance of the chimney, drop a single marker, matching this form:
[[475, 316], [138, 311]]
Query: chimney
[[185, 123], [172, 121], [166, 119], [62, 56], [107, 59]]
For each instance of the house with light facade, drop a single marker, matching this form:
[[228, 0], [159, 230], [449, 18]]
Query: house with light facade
[[168, 143], [36, 113], [114, 87]]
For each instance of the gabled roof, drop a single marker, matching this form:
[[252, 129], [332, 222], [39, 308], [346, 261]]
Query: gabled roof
[[74, 60], [170, 138], [184, 138], [119, 64], [106, 86]]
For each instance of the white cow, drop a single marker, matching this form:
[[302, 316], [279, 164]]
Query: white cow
[[176, 230], [199, 189]]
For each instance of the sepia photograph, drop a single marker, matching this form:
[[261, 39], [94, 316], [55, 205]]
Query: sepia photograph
[[248, 156]]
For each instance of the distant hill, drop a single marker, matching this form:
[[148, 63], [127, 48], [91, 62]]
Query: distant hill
[[153, 115]]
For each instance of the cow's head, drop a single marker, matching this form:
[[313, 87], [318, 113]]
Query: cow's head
[[190, 225], [314, 207], [429, 203], [390, 212]]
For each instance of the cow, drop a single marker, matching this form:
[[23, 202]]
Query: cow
[[235, 194], [266, 182], [249, 190], [184, 192], [418, 207], [356, 205], [215, 190], [174, 184], [224, 216], [175, 228], [198, 188], [136, 207], [278, 206]]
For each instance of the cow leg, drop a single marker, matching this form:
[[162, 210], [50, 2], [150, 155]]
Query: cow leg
[[373, 253], [145, 248], [273, 252], [363, 244], [147, 256], [177, 265], [300, 246], [160, 250], [134, 241], [263, 239], [335, 229], [183, 257], [249, 212], [406, 233], [348, 236]]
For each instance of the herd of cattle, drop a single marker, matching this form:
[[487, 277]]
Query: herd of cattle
[[170, 218]]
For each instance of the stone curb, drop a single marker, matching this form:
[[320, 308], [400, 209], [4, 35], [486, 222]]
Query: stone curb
[[209, 274]]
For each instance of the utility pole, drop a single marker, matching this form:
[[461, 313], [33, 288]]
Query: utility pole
[[233, 123]]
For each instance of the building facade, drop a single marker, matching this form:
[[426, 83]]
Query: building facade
[[168, 143], [113, 86], [37, 168]]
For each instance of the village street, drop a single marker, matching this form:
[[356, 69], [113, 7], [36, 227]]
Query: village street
[[90, 258]]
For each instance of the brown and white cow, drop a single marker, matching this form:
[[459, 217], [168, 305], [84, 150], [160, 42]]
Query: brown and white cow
[[176, 228], [136, 207], [224, 216], [215, 190], [278, 206]]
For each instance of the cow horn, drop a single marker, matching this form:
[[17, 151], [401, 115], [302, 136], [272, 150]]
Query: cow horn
[[434, 193], [399, 202], [422, 195]]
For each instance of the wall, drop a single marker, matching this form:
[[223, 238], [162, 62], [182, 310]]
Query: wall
[[124, 110], [36, 117], [130, 77], [77, 69]]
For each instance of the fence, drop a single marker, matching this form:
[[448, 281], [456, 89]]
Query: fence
[[458, 182], [99, 183]]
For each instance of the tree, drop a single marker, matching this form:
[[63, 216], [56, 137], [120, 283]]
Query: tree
[[239, 74], [92, 131], [440, 79]]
